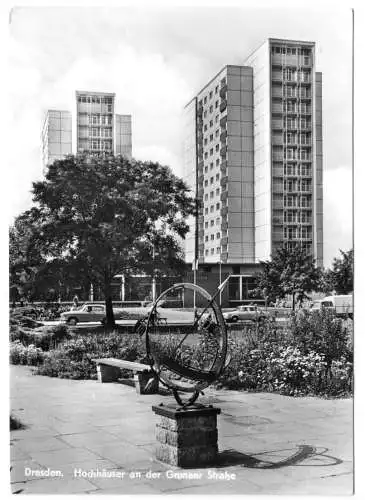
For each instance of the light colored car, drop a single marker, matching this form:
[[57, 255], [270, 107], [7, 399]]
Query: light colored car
[[87, 313], [244, 313]]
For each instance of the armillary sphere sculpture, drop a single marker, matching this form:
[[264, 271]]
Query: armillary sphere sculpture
[[171, 334]]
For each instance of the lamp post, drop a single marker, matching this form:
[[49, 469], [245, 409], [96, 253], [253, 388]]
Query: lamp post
[[220, 279], [153, 274]]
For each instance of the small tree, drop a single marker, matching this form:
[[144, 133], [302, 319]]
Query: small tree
[[107, 211], [341, 276], [289, 272]]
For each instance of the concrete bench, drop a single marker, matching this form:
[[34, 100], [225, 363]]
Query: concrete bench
[[108, 370]]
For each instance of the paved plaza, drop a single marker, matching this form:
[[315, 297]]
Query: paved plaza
[[87, 437]]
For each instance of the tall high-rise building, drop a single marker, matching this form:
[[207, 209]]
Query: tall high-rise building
[[253, 155], [56, 136], [97, 128], [93, 127]]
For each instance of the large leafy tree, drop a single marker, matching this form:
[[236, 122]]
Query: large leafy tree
[[112, 214], [289, 272]]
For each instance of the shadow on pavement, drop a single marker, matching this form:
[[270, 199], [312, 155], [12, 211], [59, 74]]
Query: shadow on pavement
[[265, 460]]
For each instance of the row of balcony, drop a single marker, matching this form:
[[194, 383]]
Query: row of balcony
[[291, 175], [223, 90], [280, 157], [279, 205], [280, 221], [278, 95], [278, 237], [291, 60], [281, 140], [224, 180], [279, 125], [280, 110], [224, 165], [222, 105], [279, 77]]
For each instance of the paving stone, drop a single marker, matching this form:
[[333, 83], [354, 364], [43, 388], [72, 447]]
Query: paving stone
[[53, 486], [59, 458], [129, 488], [71, 470], [17, 472], [123, 481], [87, 439], [206, 486], [121, 453], [110, 427], [17, 453], [32, 432], [62, 428], [38, 444]]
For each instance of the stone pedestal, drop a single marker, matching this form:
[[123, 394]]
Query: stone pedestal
[[186, 437]]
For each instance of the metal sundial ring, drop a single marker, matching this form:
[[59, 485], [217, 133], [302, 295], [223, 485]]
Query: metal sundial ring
[[171, 367]]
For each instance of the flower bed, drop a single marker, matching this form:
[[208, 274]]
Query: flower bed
[[312, 356]]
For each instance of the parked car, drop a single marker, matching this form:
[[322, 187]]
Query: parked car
[[244, 313], [88, 312]]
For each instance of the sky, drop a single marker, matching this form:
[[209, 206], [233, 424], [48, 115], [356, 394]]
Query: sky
[[156, 60]]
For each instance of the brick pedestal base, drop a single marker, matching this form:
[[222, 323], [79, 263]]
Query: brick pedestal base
[[186, 437]]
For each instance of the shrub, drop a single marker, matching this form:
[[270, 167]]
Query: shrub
[[322, 332], [57, 364], [45, 339], [311, 357], [73, 359], [25, 355]]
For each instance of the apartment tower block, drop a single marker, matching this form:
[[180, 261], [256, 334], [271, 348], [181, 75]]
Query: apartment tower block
[[253, 156]]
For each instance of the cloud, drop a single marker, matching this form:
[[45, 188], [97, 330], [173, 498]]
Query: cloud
[[337, 208], [156, 60]]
